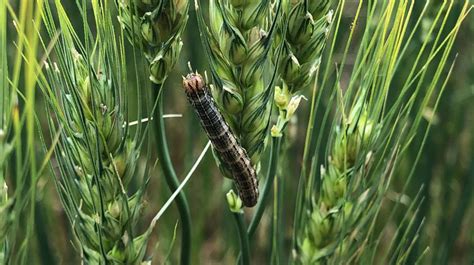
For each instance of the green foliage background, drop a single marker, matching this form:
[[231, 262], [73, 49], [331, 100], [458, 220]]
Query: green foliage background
[[441, 185]]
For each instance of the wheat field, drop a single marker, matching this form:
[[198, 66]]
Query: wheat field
[[236, 132]]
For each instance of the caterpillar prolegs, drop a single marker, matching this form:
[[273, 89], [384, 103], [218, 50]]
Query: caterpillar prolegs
[[232, 154]]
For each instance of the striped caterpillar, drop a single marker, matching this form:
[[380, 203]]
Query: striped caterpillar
[[233, 155]]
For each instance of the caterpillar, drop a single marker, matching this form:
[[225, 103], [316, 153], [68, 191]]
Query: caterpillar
[[233, 155]]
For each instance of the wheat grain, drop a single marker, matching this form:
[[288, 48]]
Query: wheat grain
[[336, 211], [96, 155], [239, 40], [307, 30], [156, 26], [97, 159]]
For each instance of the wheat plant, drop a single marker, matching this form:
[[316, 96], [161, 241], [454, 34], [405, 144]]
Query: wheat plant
[[155, 28], [19, 170], [304, 39], [97, 153], [342, 200], [6, 147], [306, 34], [239, 41], [354, 115]]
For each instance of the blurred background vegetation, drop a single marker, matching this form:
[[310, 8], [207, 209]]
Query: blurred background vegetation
[[443, 177]]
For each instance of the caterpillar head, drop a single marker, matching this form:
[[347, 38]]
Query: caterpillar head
[[193, 82]]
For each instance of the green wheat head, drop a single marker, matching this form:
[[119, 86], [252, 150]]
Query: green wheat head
[[338, 207], [239, 41], [373, 124], [305, 37], [96, 154], [156, 26], [97, 159]]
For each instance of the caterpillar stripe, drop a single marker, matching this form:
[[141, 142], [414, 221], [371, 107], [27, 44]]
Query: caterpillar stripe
[[232, 154]]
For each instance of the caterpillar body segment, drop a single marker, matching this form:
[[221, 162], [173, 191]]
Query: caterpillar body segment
[[232, 154]]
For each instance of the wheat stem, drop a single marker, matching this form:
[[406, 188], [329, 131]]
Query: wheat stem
[[273, 164], [171, 178], [276, 223], [244, 240]]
